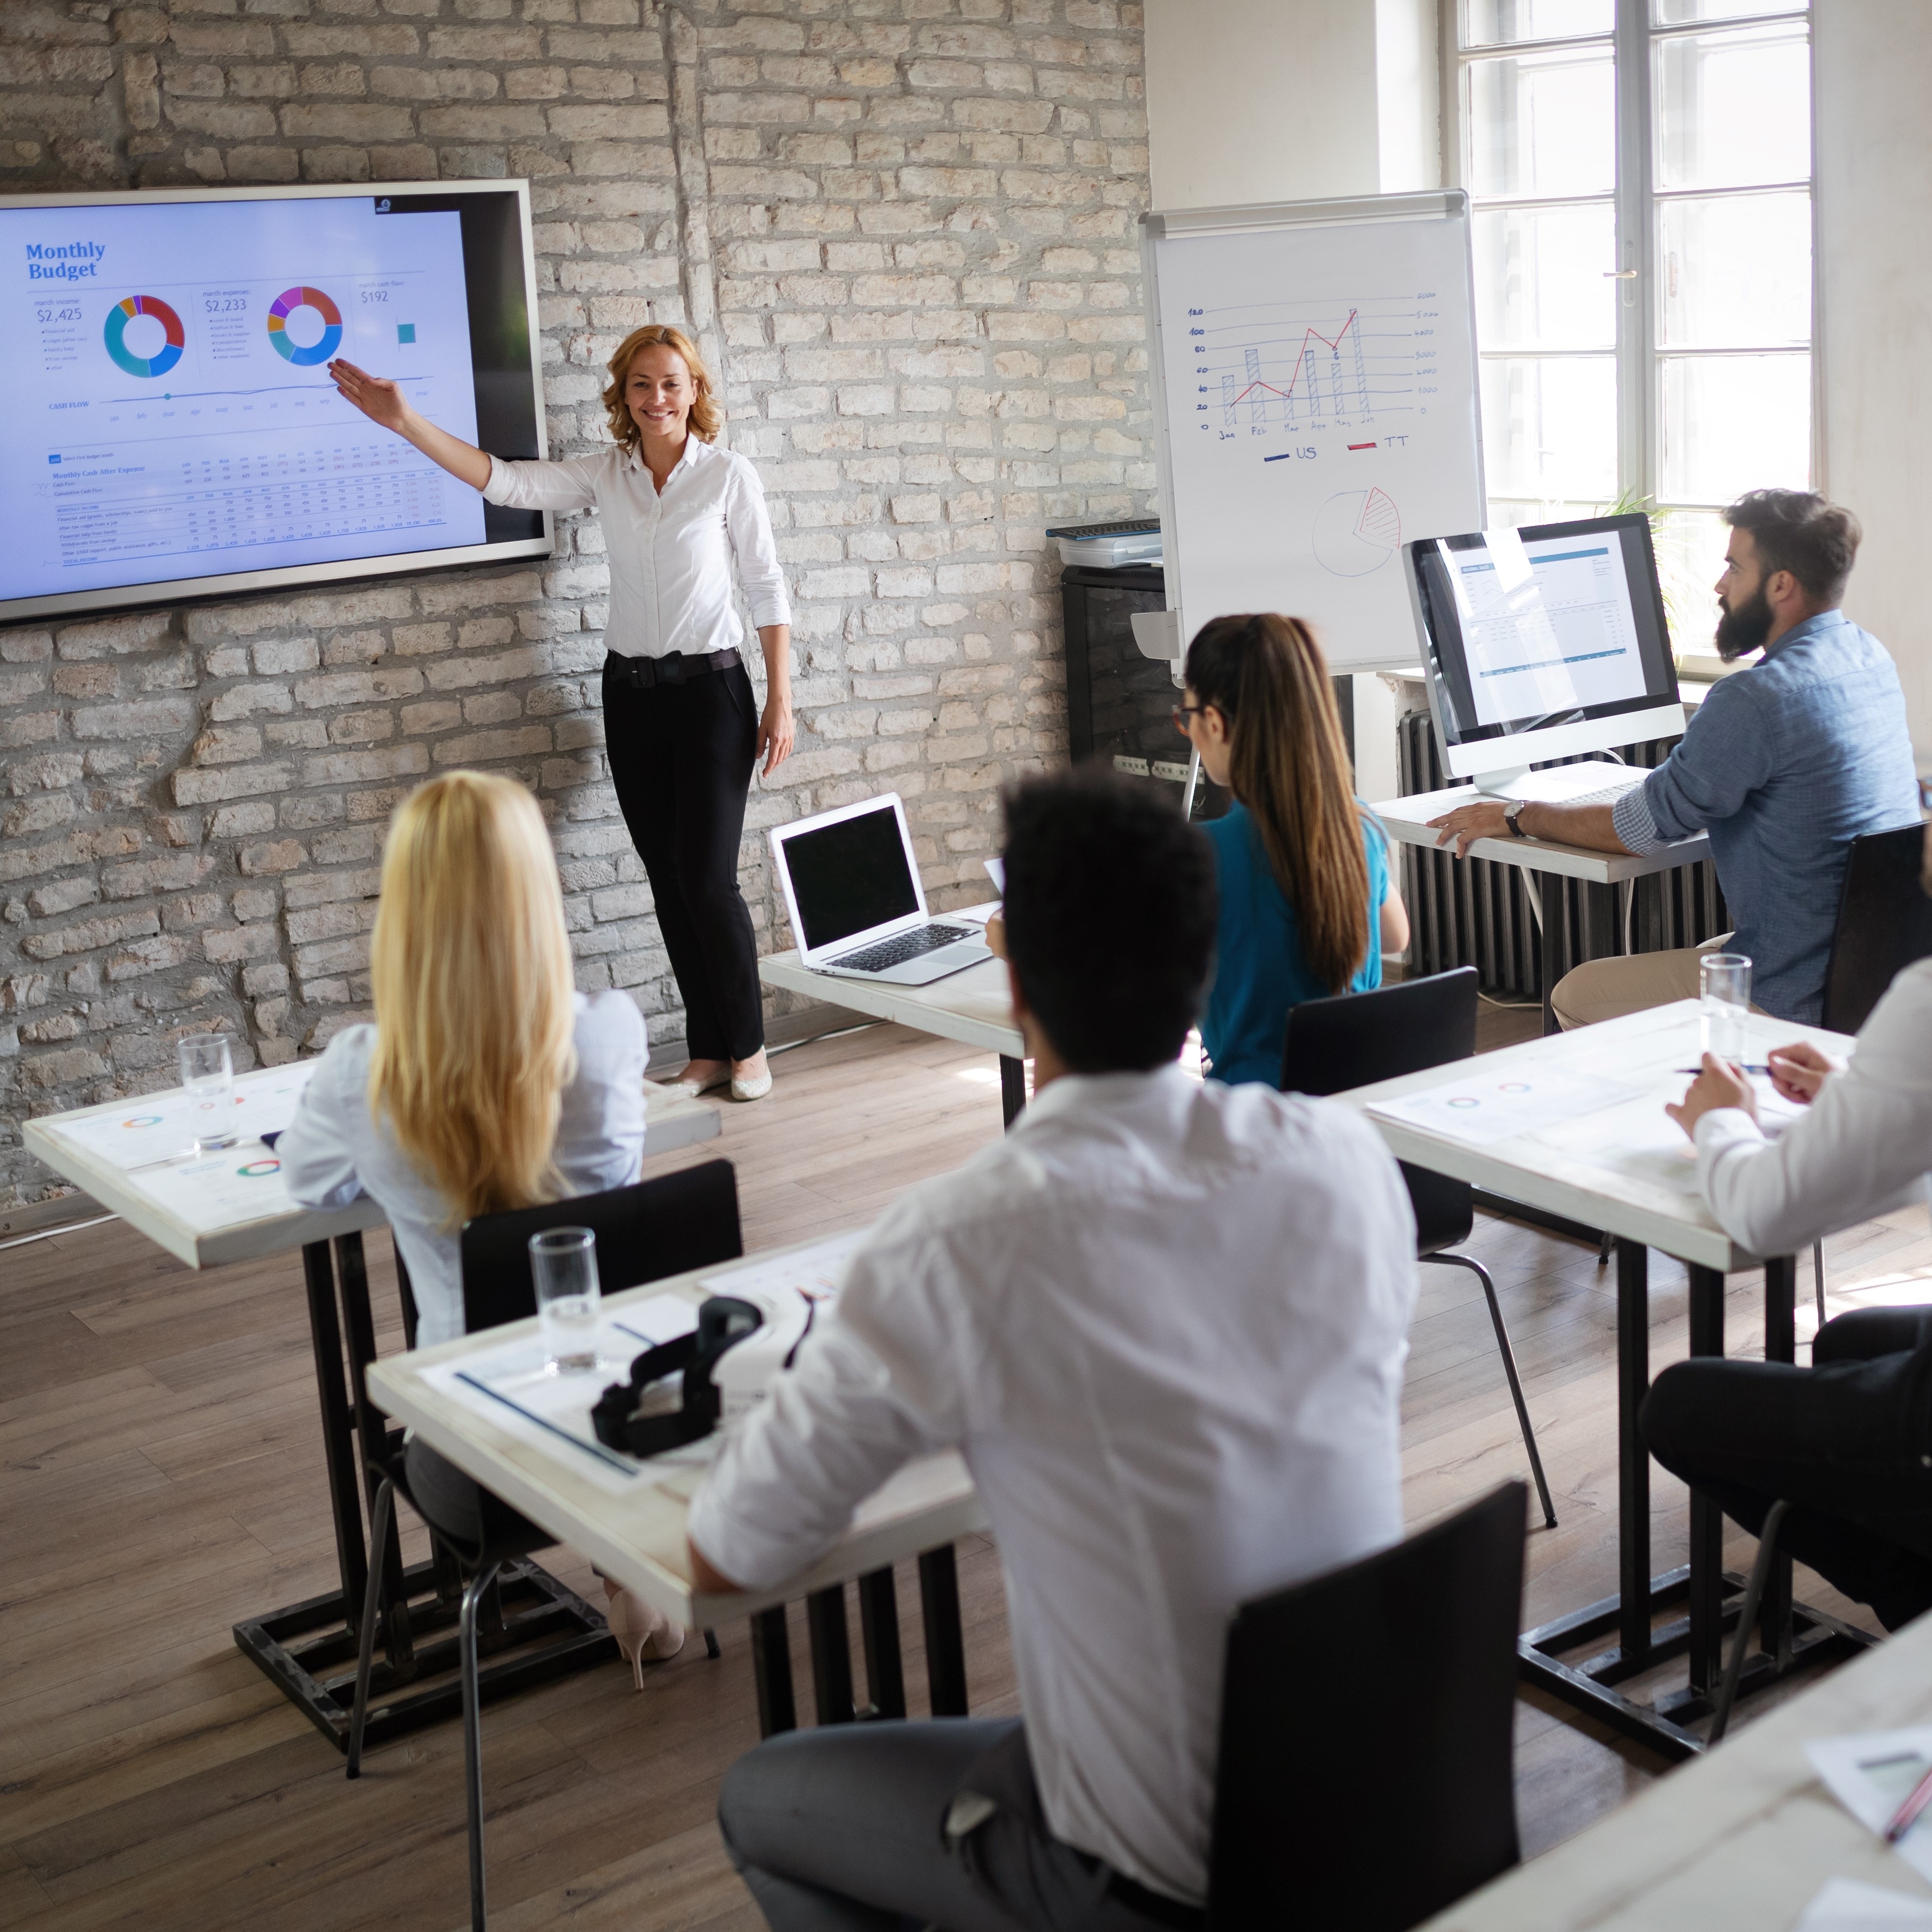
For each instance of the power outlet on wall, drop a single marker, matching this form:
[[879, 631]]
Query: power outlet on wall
[[1166, 768], [1135, 768]]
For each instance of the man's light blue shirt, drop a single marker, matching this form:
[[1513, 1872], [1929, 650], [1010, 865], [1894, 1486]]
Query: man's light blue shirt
[[1784, 764]]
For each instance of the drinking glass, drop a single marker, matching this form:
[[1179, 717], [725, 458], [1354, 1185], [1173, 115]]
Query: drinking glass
[[1723, 987], [208, 1073], [563, 1262]]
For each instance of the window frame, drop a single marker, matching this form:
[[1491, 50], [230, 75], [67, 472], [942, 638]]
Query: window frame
[[1638, 357]]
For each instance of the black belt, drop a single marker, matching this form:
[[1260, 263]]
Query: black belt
[[1154, 1905], [673, 668]]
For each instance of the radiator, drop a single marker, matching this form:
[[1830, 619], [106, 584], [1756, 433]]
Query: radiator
[[1476, 912]]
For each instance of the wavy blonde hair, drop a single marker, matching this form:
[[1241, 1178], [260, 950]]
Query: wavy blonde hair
[[475, 1024], [706, 418]]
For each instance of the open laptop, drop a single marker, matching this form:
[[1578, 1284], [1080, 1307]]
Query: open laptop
[[856, 901]]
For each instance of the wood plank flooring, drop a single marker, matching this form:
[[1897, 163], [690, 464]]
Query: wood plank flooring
[[160, 1478]]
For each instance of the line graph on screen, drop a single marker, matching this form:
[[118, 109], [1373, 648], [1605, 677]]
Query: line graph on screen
[[1293, 366]]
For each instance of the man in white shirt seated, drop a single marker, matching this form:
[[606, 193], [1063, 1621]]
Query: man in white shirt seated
[[1847, 1442], [1165, 1323]]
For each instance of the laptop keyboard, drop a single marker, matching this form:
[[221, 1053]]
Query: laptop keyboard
[[902, 946]]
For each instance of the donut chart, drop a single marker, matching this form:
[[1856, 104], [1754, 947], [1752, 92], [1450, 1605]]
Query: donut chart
[[284, 306], [115, 335]]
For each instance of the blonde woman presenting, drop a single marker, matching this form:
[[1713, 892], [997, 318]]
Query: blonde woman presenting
[[486, 1083], [683, 733]]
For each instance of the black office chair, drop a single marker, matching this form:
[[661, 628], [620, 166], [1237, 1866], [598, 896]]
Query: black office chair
[[1376, 1794], [645, 1232], [1885, 923], [1357, 1038]]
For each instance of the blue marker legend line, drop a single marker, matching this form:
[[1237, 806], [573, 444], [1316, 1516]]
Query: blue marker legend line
[[1282, 458]]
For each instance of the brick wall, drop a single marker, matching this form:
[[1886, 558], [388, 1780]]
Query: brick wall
[[903, 232]]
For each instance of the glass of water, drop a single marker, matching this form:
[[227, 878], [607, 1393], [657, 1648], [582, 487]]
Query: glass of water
[[563, 1262], [208, 1073], [1724, 988]]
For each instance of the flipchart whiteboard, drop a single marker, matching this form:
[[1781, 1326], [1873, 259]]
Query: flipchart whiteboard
[[1315, 406]]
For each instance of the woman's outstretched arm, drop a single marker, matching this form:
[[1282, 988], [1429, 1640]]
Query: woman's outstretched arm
[[383, 402]]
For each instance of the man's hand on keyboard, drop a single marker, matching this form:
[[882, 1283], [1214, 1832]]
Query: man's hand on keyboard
[[1468, 823]]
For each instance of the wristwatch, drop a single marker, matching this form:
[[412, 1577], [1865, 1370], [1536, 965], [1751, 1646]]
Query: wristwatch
[[1511, 814]]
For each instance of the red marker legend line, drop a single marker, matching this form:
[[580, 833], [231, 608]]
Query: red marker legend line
[[1361, 445]]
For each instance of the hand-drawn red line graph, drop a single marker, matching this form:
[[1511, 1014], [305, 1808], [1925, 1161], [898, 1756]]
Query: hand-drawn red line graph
[[1308, 335]]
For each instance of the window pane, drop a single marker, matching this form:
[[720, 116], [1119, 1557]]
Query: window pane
[[1543, 124], [1540, 277], [1550, 427], [1735, 271], [1673, 13], [1490, 21], [1733, 423], [1689, 546], [1732, 109]]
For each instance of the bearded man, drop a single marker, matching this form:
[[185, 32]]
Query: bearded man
[[1784, 763]]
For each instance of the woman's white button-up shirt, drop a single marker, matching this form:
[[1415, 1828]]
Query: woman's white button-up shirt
[[670, 575]]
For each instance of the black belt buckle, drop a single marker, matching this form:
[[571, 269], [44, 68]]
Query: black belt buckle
[[670, 667]]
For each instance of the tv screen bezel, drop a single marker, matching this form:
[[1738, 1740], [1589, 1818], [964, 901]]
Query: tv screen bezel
[[184, 590]]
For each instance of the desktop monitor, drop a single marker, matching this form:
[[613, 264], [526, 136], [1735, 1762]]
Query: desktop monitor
[[1542, 643]]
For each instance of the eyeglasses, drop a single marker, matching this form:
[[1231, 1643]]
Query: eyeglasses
[[1182, 712]]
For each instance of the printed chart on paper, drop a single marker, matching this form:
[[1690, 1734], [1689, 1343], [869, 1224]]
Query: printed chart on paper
[[1320, 410]]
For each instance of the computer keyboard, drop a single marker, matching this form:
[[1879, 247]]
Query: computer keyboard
[[1608, 796], [904, 946]]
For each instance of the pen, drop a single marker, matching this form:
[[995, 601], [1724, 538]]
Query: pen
[[1907, 1813], [1751, 1068]]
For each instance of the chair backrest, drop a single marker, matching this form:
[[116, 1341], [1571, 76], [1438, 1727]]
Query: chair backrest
[[1373, 1796], [1884, 923], [1356, 1038], [645, 1232]]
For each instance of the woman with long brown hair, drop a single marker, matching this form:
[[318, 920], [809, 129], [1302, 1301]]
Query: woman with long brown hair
[[1307, 909], [487, 1082], [682, 732]]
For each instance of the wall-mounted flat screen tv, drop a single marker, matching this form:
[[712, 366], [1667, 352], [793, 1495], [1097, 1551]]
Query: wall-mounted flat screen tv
[[173, 434]]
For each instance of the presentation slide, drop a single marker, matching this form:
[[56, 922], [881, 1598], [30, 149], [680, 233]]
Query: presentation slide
[[1547, 626], [173, 415]]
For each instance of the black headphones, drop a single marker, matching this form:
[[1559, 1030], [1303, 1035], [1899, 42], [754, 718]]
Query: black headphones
[[722, 1321]]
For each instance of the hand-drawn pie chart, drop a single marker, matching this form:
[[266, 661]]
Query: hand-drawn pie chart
[[305, 326], [153, 344], [1357, 531]]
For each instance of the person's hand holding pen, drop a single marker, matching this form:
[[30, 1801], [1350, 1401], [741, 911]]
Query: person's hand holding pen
[[1798, 1071], [996, 935], [1719, 1084]]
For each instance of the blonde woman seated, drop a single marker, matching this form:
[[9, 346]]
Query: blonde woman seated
[[1307, 906], [486, 1083]]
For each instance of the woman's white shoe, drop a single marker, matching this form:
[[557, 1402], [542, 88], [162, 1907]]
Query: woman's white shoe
[[689, 1089], [751, 1087]]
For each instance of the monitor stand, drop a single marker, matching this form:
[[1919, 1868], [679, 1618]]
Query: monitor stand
[[1597, 780]]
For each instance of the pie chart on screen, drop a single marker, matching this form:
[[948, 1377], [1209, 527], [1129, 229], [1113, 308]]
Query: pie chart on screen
[[305, 326], [144, 336], [1357, 532]]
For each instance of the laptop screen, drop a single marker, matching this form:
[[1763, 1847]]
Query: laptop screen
[[850, 877]]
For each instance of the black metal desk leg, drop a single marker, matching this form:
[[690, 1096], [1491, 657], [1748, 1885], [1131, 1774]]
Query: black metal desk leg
[[771, 1672], [338, 1430], [1780, 1345], [1013, 1086], [1633, 1459], [1707, 1520], [879, 1633], [831, 1655], [945, 1642]]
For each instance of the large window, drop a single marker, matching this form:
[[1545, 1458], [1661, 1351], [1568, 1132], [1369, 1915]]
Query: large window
[[1640, 172]]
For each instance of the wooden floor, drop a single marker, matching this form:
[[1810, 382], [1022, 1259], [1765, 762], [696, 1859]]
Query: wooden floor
[[160, 1478]]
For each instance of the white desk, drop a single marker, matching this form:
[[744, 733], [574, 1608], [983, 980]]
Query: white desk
[[309, 1649], [1629, 1171], [638, 1535], [1408, 819], [972, 1007], [1746, 1836]]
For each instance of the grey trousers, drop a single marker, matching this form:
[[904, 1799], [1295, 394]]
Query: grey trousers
[[845, 1829]]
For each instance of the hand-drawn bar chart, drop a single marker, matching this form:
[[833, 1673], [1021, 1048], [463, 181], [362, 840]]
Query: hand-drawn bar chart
[[1304, 366]]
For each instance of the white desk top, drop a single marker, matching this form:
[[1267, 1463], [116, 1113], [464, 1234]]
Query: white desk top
[[670, 1121], [1743, 1836], [1407, 820], [1628, 1169], [972, 1007], [637, 1535]]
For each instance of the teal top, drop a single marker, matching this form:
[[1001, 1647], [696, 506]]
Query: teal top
[[1259, 969]]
